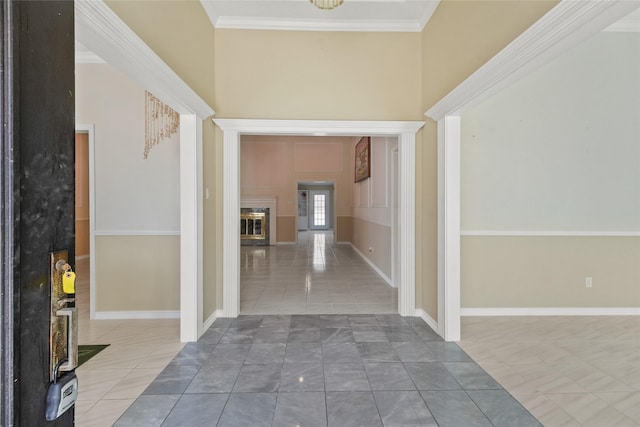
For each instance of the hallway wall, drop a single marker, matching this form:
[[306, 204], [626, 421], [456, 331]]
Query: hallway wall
[[273, 166], [544, 207], [136, 200], [371, 234]]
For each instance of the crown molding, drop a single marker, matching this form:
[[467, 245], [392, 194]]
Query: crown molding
[[231, 22], [428, 13], [86, 57], [103, 32], [564, 26], [312, 127], [628, 24]]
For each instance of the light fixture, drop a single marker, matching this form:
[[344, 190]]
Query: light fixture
[[326, 4]]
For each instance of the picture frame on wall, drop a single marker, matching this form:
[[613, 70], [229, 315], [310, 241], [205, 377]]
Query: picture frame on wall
[[363, 159]]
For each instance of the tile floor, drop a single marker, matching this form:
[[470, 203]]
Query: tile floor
[[139, 350], [324, 370], [315, 276], [568, 371]]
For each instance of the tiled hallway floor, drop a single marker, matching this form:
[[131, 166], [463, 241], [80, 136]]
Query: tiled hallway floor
[[568, 371], [324, 370], [315, 276]]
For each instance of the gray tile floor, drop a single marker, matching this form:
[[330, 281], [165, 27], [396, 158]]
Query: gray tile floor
[[324, 370]]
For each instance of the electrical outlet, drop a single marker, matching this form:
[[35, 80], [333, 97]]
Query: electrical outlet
[[588, 282]]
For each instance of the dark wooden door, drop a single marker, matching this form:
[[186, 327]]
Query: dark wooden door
[[37, 193]]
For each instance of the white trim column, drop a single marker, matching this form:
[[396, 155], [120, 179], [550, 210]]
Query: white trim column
[[231, 225], [407, 214], [191, 247], [449, 228]]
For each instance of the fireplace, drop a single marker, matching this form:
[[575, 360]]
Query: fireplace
[[258, 220], [254, 226]]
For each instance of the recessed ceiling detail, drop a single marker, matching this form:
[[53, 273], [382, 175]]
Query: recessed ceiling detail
[[352, 15]]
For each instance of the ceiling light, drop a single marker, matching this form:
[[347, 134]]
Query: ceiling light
[[326, 4]]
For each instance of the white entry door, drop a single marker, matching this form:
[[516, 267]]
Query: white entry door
[[319, 210]]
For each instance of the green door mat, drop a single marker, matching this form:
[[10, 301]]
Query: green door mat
[[86, 352]]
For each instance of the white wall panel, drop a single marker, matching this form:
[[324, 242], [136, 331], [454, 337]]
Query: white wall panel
[[559, 150]]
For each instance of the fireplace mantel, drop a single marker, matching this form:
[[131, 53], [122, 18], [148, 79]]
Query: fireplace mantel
[[264, 202]]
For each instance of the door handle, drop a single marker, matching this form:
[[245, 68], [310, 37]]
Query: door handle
[[72, 337]]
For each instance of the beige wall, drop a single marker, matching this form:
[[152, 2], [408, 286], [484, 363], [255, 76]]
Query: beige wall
[[317, 75], [148, 284], [550, 271], [180, 33], [459, 38], [273, 166], [367, 235]]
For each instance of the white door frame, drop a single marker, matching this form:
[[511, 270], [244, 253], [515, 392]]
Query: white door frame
[[395, 199], [233, 129], [567, 24]]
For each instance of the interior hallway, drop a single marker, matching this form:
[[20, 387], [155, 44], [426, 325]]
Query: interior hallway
[[314, 276]]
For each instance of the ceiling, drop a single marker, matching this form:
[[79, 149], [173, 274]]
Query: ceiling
[[353, 15]]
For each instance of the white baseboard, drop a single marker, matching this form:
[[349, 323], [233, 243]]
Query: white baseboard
[[551, 311], [372, 265], [428, 320], [114, 315], [207, 323], [286, 243], [343, 243]]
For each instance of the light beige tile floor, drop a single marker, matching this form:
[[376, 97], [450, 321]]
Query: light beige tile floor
[[138, 350], [315, 276], [567, 371]]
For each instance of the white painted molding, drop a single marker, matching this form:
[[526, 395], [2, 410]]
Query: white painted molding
[[265, 202], [150, 314], [137, 232], [552, 311], [231, 224], [86, 57], [191, 225], [562, 27], [428, 13], [373, 266], [247, 23], [407, 223], [519, 233], [313, 127], [286, 243], [449, 138], [428, 319], [233, 129], [103, 32], [628, 24], [209, 322]]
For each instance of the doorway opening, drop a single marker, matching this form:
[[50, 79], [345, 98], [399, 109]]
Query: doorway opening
[[316, 205], [234, 129]]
